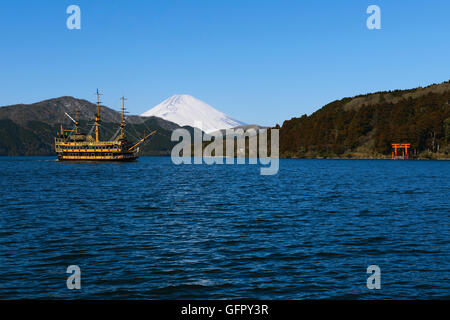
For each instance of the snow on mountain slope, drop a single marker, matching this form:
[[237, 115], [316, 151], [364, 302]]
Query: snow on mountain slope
[[185, 110]]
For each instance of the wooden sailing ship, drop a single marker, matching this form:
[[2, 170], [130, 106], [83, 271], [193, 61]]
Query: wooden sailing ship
[[72, 145]]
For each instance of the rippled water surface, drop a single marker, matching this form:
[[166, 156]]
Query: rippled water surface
[[150, 229]]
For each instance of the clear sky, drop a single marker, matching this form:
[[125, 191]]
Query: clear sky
[[258, 61]]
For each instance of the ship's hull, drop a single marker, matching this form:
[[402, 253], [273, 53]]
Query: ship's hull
[[94, 151], [95, 159], [75, 146]]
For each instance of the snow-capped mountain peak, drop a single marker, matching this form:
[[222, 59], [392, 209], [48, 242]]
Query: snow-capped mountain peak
[[185, 110]]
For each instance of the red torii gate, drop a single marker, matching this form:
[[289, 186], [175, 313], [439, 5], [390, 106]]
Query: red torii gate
[[404, 147]]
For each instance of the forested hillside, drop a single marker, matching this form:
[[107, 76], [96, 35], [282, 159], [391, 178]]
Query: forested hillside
[[366, 125]]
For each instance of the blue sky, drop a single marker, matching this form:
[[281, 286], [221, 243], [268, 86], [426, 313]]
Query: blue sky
[[258, 61]]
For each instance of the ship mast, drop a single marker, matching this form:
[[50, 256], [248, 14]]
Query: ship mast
[[122, 124], [76, 121], [97, 117]]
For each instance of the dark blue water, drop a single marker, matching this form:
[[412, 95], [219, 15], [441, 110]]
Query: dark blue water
[[154, 230]]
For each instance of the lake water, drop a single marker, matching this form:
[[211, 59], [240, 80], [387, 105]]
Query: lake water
[[154, 230]]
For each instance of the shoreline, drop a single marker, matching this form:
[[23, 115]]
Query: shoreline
[[294, 158]]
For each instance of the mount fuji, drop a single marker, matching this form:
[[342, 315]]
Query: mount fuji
[[185, 110]]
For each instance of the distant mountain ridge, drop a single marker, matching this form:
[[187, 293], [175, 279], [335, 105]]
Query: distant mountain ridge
[[29, 129], [52, 111], [185, 110]]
